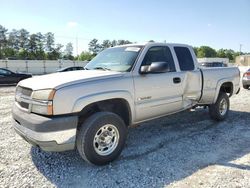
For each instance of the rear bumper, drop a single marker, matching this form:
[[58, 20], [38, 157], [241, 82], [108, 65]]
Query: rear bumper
[[50, 134], [245, 82]]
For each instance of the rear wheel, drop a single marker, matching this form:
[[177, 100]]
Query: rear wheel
[[101, 138], [245, 86], [219, 110]]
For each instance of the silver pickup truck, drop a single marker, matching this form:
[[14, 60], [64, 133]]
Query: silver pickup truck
[[91, 109]]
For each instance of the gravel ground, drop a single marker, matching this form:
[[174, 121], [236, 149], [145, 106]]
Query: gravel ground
[[183, 150]]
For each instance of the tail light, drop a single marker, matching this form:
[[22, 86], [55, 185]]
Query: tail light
[[246, 74]]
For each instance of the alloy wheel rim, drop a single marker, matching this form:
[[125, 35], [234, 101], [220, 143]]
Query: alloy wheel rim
[[106, 140], [223, 107]]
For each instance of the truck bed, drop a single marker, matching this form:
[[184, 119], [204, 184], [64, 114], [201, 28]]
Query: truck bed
[[212, 80]]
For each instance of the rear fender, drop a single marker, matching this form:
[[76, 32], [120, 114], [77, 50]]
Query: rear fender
[[219, 84]]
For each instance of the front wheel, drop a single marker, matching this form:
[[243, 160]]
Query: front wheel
[[101, 138], [219, 110]]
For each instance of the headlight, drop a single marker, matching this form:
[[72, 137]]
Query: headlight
[[46, 94], [42, 101]]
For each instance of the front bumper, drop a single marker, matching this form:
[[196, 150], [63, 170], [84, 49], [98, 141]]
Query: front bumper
[[48, 133]]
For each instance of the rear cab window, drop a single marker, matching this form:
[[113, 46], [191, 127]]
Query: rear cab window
[[185, 58]]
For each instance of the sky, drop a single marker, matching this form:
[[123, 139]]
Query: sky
[[215, 23]]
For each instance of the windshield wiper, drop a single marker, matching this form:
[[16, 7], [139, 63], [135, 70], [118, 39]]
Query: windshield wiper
[[101, 68]]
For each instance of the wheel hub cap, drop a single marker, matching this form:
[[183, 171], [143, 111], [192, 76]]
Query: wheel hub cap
[[106, 140], [223, 107]]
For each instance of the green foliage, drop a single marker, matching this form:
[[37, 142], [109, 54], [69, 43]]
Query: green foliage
[[225, 53], [13, 40], [9, 52], [195, 50], [86, 56], [95, 47], [206, 51], [68, 53], [106, 44], [23, 36], [49, 42], [23, 54], [23, 45], [3, 41]]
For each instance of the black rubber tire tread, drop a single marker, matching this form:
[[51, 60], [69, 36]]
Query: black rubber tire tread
[[87, 131], [245, 86], [214, 111]]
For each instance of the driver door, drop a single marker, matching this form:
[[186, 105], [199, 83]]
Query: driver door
[[157, 94]]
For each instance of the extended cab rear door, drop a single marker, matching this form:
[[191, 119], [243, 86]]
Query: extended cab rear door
[[190, 74], [157, 94]]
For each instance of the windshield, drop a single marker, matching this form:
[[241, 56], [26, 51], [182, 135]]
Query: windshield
[[119, 59]]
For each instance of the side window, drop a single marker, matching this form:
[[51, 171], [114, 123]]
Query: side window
[[185, 58], [159, 54], [4, 72]]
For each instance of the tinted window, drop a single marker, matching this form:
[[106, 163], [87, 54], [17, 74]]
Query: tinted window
[[159, 54], [4, 72], [185, 58]]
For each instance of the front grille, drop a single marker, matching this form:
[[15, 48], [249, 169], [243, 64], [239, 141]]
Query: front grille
[[24, 105]]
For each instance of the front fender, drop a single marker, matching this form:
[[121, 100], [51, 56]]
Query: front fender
[[97, 97]]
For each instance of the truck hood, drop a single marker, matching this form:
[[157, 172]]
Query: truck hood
[[62, 79]]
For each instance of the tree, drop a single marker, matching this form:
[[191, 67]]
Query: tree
[[49, 42], [8, 52], [3, 40], [195, 50], [106, 44], [221, 53], [13, 40], [36, 47], [206, 51], [113, 43], [68, 52], [122, 42], [226, 53], [58, 51], [86, 56], [230, 54], [94, 46], [32, 48], [23, 36], [40, 54], [23, 54]]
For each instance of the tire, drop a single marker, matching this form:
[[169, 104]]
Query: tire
[[245, 86], [219, 110], [91, 138]]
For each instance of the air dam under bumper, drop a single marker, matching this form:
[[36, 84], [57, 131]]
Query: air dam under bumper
[[50, 134]]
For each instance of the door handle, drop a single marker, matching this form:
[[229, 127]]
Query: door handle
[[177, 80]]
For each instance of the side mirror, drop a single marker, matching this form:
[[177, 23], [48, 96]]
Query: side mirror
[[155, 67]]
